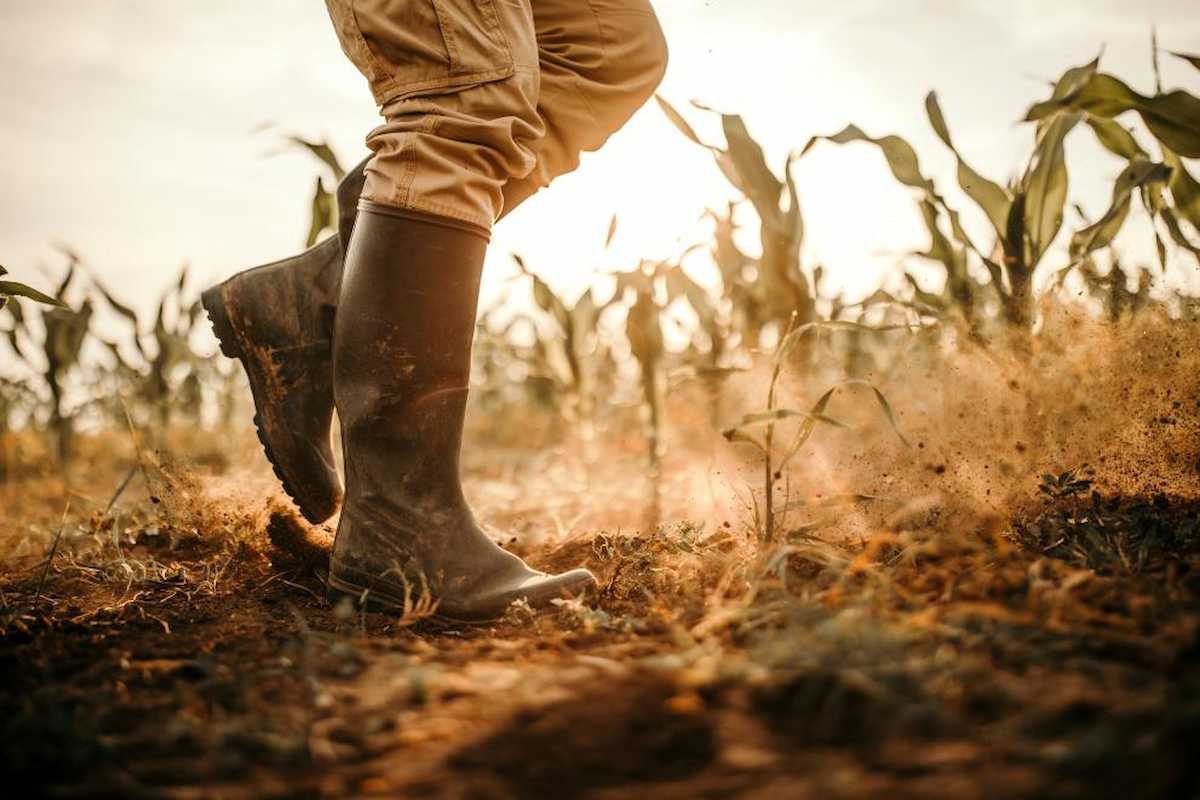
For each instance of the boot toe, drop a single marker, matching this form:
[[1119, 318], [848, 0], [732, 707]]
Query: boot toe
[[540, 590], [537, 589]]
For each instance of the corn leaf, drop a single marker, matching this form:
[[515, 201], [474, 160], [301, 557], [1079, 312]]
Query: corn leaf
[[1177, 235], [781, 414], [1074, 79], [900, 156], [807, 427], [884, 405], [1184, 189], [756, 179], [72, 270], [940, 248], [323, 152], [679, 122], [1115, 137], [988, 195], [14, 289], [1191, 59], [738, 435], [794, 223], [1045, 186], [1104, 230], [321, 213], [1173, 118]]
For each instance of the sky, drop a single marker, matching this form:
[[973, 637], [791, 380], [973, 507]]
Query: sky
[[134, 130]]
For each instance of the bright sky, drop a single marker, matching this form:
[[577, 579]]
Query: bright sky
[[129, 125]]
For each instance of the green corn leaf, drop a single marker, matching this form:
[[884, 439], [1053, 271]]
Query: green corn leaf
[[1102, 232], [1177, 235], [1115, 137], [14, 289], [1173, 118], [988, 195], [321, 213], [807, 427], [1074, 79], [941, 249], [1103, 95], [900, 156], [323, 152], [1045, 186], [1185, 190]]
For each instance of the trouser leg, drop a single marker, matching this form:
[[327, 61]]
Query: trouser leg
[[600, 61], [457, 83], [597, 62]]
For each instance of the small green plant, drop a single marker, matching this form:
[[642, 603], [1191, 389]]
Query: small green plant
[[774, 460]]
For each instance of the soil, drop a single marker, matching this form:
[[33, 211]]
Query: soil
[[180, 645]]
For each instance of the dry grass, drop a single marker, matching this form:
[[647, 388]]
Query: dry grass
[[929, 621]]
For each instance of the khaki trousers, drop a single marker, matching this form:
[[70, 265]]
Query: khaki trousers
[[486, 101]]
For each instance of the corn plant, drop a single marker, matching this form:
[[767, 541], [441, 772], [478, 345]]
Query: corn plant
[[774, 459], [15, 394], [63, 330], [643, 329], [779, 286], [17, 399], [1027, 214], [564, 342], [323, 215], [174, 374], [1172, 120]]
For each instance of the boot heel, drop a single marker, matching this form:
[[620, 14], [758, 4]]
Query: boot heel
[[213, 301]]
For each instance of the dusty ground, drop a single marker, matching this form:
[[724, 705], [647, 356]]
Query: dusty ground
[[910, 646]]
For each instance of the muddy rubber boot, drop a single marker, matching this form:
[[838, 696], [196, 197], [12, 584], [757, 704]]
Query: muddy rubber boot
[[277, 320], [402, 362]]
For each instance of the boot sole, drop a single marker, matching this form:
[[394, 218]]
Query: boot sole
[[213, 300], [375, 600]]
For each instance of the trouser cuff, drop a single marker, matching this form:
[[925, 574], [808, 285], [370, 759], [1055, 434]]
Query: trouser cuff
[[425, 216]]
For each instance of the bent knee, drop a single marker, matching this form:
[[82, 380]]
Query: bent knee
[[636, 59]]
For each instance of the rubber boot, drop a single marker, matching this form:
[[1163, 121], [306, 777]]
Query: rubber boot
[[277, 320], [402, 362]]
